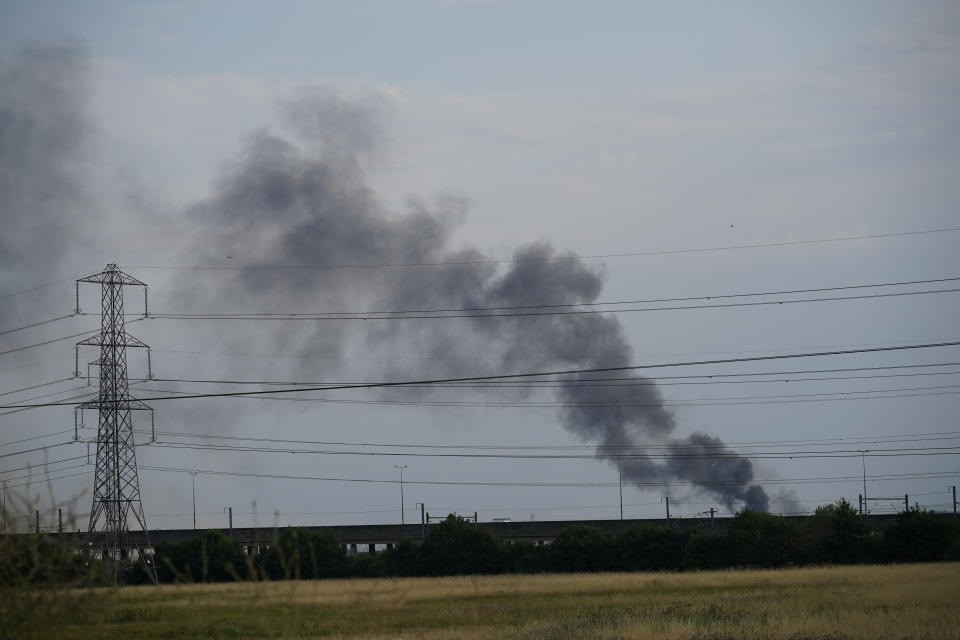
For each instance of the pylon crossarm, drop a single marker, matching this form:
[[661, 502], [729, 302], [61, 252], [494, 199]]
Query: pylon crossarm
[[104, 339], [136, 405], [114, 276]]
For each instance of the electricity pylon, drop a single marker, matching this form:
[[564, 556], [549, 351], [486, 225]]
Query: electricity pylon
[[116, 487]]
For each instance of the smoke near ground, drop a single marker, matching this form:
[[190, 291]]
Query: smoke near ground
[[303, 200]]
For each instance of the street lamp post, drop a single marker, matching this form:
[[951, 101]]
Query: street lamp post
[[620, 482], [401, 467], [863, 461], [193, 476]]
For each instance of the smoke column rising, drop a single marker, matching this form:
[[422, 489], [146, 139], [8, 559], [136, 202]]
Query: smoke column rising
[[43, 148], [305, 201]]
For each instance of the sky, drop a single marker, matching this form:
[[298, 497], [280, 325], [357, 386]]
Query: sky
[[512, 154]]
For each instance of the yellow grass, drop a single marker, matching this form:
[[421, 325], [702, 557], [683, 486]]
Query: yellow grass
[[897, 601]]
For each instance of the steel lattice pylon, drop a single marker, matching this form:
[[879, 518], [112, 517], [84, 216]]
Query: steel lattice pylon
[[116, 487]]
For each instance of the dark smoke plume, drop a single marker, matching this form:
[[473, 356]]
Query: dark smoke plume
[[285, 203], [43, 132]]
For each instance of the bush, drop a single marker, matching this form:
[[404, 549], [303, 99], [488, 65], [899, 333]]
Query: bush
[[837, 534], [525, 557], [207, 557], [579, 548], [762, 539], [32, 565], [456, 547], [44, 561], [302, 554], [649, 548], [920, 536], [707, 550]]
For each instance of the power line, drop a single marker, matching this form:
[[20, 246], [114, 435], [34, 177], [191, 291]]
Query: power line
[[36, 288], [35, 363], [698, 483], [681, 454], [45, 463], [682, 402], [592, 382], [918, 437], [897, 477], [35, 324], [43, 448], [373, 316], [524, 375], [909, 477], [560, 356], [53, 340], [45, 473], [577, 304], [46, 435], [46, 342], [51, 479], [36, 386], [560, 258], [46, 395]]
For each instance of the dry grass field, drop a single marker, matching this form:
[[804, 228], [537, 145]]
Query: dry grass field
[[897, 601]]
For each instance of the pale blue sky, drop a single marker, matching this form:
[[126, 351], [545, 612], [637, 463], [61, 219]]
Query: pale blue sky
[[546, 45]]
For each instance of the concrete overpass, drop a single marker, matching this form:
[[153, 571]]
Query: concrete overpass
[[368, 537]]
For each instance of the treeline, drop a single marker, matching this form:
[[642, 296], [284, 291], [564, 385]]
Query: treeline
[[835, 534]]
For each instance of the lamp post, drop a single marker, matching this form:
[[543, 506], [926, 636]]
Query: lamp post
[[620, 482], [193, 476], [401, 467], [863, 461]]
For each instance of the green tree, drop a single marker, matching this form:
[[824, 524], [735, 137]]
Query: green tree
[[405, 559], [525, 557], [580, 548], [456, 547], [837, 534], [649, 548], [303, 554], [920, 536], [207, 557], [762, 539], [707, 550]]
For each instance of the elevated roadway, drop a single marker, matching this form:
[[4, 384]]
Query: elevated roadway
[[363, 536]]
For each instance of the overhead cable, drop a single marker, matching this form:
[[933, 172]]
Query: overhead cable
[[36, 324], [444, 316], [597, 382], [580, 304], [507, 376], [681, 453], [917, 437], [606, 484], [560, 258], [680, 402]]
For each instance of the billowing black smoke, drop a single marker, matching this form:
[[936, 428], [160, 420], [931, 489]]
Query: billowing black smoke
[[282, 203]]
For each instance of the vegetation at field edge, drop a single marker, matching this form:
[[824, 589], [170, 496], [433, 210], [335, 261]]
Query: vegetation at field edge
[[826, 603]]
